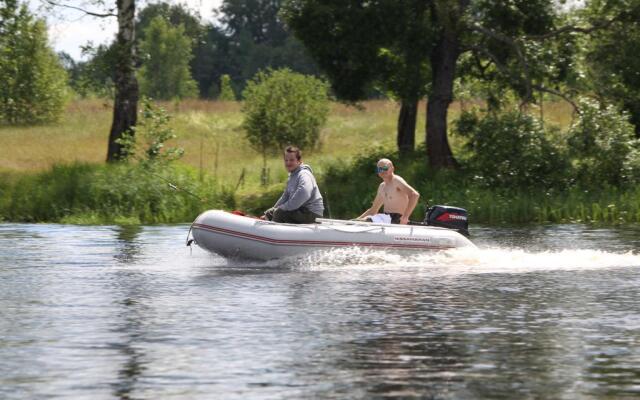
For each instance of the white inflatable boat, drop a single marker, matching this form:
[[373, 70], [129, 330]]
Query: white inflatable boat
[[237, 236]]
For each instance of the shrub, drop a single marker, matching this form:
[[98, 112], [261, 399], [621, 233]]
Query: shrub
[[110, 193], [146, 142], [226, 91], [511, 150], [603, 145], [281, 108]]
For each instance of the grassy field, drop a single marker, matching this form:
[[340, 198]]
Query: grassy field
[[211, 134]]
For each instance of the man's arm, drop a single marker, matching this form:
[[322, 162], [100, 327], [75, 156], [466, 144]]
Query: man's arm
[[375, 207], [282, 198], [413, 196]]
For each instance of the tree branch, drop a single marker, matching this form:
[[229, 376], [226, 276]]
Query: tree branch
[[503, 70], [519, 56], [93, 14], [572, 28], [559, 94]]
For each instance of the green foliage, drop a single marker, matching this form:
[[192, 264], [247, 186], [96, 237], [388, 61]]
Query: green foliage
[[95, 76], [611, 57], [281, 108], [257, 203], [175, 15], [33, 88], [226, 91], [146, 143], [357, 47], [166, 52], [510, 149], [349, 189], [258, 18], [603, 145], [126, 193], [110, 193]]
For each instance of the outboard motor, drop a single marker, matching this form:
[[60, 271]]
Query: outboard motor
[[448, 217]]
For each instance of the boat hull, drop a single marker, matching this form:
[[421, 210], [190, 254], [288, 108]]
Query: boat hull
[[236, 236]]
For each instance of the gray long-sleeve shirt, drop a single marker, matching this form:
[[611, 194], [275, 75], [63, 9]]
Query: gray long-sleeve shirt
[[301, 191]]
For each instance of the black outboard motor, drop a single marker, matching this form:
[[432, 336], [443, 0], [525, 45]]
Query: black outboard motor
[[448, 217]]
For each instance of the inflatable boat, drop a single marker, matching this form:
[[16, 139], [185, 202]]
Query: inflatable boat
[[236, 236]]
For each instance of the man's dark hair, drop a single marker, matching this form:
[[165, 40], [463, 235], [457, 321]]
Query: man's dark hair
[[294, 149]]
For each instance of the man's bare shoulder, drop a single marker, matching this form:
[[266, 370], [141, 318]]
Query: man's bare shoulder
[[397, 179], [402, 184]]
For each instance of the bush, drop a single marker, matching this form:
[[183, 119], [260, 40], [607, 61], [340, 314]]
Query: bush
[[511, 150], [110, 193], [282, 108], [603, 146], [226, 90], [146, 142]]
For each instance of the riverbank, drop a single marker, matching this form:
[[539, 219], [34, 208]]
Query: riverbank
[[219, 170], [123, 194]]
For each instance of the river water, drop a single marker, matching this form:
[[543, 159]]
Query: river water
[[131, 313]]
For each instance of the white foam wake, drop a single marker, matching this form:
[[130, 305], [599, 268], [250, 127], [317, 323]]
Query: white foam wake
[[468, 260]]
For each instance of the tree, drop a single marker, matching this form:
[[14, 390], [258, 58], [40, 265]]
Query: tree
[[204, 40], [255, 38], [612, 59], [259, 18], [34, 84], [94, 77], [226, 91], [349, 38], [125, 105], [282, 108], [165, 70], [383, 44]]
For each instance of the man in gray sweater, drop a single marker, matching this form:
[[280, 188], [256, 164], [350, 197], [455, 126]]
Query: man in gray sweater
[[301, 202]]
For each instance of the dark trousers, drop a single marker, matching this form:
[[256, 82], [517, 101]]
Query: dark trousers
[[299, 216]]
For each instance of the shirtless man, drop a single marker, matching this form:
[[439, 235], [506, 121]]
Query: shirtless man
[[399, 199]]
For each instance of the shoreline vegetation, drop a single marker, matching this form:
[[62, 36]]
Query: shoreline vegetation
[[56, 173]]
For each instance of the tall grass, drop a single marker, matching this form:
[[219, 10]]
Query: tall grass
[[124, 194], [349, 188], [84, 193], [56, 173]]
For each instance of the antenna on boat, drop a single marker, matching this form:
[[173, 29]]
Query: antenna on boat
[[326, 195], [175, 187]]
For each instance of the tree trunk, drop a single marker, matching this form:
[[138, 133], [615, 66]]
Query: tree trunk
[[125, 107], [443, 64], [407, 126], [443, 59]]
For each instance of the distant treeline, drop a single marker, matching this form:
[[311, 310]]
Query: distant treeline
[[249, 36]]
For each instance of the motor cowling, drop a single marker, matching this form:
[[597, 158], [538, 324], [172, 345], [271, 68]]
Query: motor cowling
[[448, 217]]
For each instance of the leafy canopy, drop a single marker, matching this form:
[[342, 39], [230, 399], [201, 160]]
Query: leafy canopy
[[282, 108], [166, 52], [33, 88]]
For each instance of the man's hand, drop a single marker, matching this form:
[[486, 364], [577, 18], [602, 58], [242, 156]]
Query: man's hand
[[404, 220]]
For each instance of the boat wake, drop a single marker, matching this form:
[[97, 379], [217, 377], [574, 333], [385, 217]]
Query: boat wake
[[470, 260]]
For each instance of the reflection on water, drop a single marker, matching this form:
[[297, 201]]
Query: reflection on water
[[130, 313]]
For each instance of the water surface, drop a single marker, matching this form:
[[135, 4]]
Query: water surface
[[131, 313]]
